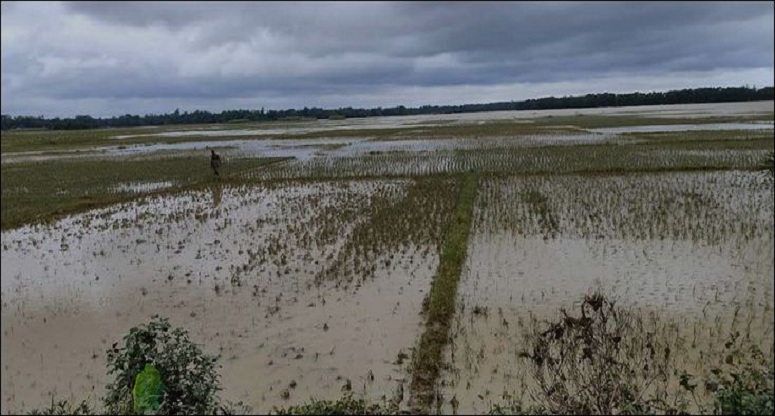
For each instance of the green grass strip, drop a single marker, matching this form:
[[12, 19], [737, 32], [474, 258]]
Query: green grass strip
[[440, 304]]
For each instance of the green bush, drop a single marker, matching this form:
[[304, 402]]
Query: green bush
[[745, 394], [189, 377]]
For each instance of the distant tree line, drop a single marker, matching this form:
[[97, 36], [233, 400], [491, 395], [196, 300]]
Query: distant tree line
[[685, 96]]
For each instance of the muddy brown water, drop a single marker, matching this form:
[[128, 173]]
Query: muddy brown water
[[72, 289]]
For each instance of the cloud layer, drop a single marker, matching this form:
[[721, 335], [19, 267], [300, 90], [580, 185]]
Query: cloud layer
[[112, 58]]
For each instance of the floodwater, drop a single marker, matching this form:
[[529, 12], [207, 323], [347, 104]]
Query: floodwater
[[686, 245], [236, 268]]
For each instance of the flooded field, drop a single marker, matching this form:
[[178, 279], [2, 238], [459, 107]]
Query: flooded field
[[665, 111], [697, 247], [307, 263], [275, 280], [686, 127]]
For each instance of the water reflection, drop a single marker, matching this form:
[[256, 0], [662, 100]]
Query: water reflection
[[217, 191]]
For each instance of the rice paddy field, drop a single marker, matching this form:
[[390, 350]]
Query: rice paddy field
[[314, 264]]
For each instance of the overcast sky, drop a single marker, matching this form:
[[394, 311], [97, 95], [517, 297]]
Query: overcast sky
[[61, 59]]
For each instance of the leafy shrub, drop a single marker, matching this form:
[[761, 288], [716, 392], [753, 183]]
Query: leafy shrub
[[745, 394], [189, 377]]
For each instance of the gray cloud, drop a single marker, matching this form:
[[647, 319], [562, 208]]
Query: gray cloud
[[215, 54]]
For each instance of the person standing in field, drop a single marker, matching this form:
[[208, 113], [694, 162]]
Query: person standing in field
[[215, 161]]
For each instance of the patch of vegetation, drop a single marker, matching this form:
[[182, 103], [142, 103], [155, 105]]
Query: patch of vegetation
[[539, 206], [439, 305], [718, 152], [43, 191], [515, 407], [769, 165], [356, 133], [743, 384], [346, 405], [495, 129], [86, 140], [593, 121], [593, 364], [64, 407], [745, 393], [419, 217], [699, 136], [601, 361]]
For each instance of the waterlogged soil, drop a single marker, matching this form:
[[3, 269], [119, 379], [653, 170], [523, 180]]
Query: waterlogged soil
[[307, 149], [237, 268], [263, 141], [309, 127], [685, 127], [708, 264], [40, 156], [755, 108], [140, 187], [301, 149]]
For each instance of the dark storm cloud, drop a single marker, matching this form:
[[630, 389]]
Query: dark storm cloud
[[306, 51]]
